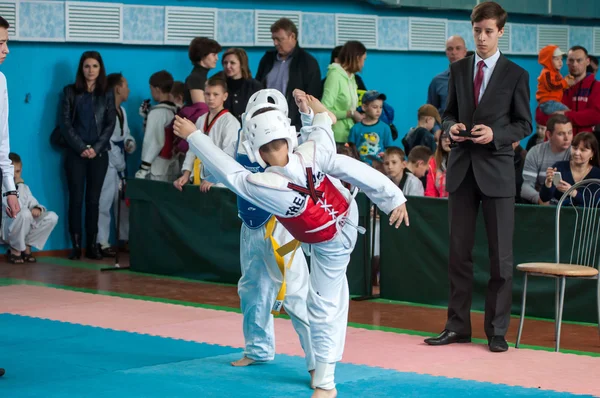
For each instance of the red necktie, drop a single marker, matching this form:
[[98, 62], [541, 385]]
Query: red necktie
[[478, 81]]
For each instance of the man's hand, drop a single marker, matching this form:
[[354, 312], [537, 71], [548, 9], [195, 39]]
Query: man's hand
[[205, 186], [482, 134], [85, 154], [454, 132], [183, 128], [36, 212], [91, 153], [398, 215], [12, 206], [301, 100], [181, 181]]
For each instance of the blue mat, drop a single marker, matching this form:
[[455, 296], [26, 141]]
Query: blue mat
[[55, 359]]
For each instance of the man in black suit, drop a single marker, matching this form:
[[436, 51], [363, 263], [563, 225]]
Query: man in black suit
[[487, 111]]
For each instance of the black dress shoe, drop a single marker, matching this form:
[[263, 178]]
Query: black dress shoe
[[107, 252], [448, 337], [498, 344]]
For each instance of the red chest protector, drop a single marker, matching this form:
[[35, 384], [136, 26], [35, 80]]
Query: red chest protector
[[325, 212]]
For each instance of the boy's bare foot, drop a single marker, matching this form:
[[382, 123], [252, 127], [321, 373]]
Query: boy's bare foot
[[312, 378], [320, 393], [245, 361]]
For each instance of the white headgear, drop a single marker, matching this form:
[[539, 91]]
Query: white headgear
[[264, 128], [268, 95]]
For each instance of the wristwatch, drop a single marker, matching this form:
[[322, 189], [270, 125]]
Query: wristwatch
[[16, 193]]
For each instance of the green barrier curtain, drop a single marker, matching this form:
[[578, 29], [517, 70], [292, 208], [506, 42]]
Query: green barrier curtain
[[196, 235], [414, 260]]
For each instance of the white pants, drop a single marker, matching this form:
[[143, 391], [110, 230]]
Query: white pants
[[328, 298], [24, 230], [109, 197], [258, 288]]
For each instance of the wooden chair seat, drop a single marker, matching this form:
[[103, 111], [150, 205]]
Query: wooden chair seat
[[558, 269]]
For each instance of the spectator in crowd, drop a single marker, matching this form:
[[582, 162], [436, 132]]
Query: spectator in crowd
[[544, 155], [593, 66], [583, 98], [519, 158], [394, 165], [551, 84], [289, 67], [456, 49], [88, 120], [538, 138], [360, 84], [240, 84], [156, 164], [222, 127], [204, 54], [121, 142], [32, 225], [436, 175], [340, 93], [582, 165], [418, 162], [427, 118], [371, 136], [178, 93]]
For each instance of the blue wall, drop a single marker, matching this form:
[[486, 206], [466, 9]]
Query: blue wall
[[38, 71]]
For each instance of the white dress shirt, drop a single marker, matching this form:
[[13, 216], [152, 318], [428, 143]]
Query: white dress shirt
[[8, 173], [488, 69]]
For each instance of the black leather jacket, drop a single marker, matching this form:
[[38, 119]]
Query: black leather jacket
[[104, 111]]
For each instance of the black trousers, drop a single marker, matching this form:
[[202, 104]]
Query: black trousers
[[85, 175], [499, 217]]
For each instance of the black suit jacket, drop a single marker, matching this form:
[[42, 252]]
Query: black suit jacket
[[504, 107], [305, 75]]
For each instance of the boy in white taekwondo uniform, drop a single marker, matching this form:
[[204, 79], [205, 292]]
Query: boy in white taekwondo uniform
[[121, 141], [263, 272], [315, 208], [31, 227]]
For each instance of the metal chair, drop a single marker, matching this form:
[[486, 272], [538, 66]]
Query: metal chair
[[584, 258]]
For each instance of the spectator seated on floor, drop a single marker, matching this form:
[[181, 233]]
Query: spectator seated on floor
[[32, 225]]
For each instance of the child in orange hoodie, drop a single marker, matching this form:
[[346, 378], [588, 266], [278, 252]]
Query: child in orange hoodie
[[550, 82]]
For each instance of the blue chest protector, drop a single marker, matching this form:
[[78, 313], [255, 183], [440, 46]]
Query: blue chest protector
[[254, 217]]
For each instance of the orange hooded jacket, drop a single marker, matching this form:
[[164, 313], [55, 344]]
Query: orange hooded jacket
[[550, 82]]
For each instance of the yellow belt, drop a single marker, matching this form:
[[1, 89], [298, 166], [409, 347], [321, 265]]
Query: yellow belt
[[280, 252], [196, 171]]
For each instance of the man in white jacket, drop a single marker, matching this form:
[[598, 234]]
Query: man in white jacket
[[6, 168], [120, 142], [32, 225], [154, 166]]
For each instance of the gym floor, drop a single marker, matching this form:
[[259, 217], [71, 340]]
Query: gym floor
[[66, 327]]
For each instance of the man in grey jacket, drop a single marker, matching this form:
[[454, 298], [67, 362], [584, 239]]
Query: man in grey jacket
[[544, 155]]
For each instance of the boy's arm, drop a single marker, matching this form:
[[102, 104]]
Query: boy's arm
[[232, 174], [32, 202], [188, 162], [379, 188]]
